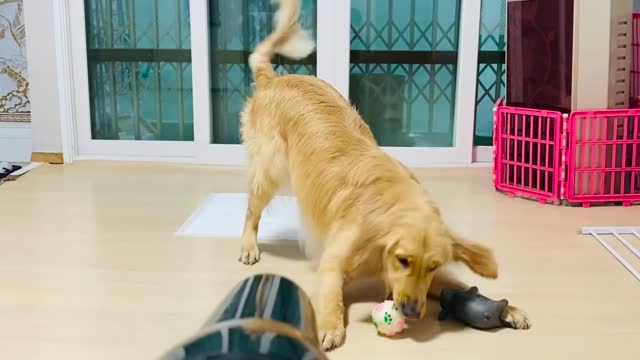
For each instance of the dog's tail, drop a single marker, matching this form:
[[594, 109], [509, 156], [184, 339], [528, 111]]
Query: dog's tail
[[287, 39]]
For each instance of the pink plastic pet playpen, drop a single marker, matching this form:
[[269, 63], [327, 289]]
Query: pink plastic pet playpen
[[635, 61], [585, 157], [579, 157]]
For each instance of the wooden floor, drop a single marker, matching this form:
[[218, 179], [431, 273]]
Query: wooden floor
[[90, 269]]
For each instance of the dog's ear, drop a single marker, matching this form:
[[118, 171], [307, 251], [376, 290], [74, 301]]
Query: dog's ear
[[478, 258]]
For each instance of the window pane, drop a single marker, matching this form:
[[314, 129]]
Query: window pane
[[491, 67], [236, 27], [139, 61], [404, 57]]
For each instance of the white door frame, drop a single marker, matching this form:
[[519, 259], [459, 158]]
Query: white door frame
[[333, 48], [86, 147]]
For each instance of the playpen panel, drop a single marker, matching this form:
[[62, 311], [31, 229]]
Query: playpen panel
[[527, 149], [604, 156], [635, 62]]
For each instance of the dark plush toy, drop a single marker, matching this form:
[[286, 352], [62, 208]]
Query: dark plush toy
[[6, 169], [471, 308]]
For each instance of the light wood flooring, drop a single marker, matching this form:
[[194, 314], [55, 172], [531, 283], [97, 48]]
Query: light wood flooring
[[90, 269]]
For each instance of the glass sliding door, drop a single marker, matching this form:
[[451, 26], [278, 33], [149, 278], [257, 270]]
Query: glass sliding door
[[224, 35], [491, 68], [406, 65], [139, 67], [168, 79], [235, 28], [404, 57]]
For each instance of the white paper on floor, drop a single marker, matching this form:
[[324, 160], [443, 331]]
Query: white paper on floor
[[222, 215]]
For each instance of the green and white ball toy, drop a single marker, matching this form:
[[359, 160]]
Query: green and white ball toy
[[388, 319]]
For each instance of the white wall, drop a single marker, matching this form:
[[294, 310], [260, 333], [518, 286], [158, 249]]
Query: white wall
[[15, 142], [592, 45], [41, 57]]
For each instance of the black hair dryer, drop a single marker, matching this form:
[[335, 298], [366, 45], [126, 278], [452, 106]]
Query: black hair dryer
[[265, 317]]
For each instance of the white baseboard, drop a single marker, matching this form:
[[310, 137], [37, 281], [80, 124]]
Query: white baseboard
[[483, 154], [15, 142]]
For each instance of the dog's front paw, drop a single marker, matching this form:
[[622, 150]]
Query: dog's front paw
[[249, 254], [332, 338], [515, 318]]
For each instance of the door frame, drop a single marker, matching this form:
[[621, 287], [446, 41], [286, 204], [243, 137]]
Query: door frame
[[333, 65]]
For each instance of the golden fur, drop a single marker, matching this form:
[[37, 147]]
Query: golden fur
[[372, 214]]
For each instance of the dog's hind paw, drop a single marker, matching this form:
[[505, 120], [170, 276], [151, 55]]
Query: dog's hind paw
[[515, 318]]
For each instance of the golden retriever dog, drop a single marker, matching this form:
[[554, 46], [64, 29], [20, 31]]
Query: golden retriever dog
[[372, 215]]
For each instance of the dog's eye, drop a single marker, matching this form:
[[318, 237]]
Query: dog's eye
[[403, 261]]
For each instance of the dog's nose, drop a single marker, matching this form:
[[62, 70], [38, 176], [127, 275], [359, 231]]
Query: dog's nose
[[411, 311]]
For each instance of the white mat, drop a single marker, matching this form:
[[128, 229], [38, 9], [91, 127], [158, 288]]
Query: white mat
[[222, 215]]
